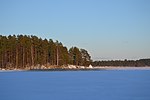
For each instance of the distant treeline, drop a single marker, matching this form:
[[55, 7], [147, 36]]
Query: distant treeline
[[23, 51], [136, 63]]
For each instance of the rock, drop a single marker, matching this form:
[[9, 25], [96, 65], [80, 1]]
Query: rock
[[90, 66], [71, 67]]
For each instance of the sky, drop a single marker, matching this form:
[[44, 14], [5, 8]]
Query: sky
[[107, 29]]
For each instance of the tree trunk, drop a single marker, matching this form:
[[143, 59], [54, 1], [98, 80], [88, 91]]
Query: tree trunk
[[32, 56], [16, 57], [2, 61], [57, 57], [23, 57]]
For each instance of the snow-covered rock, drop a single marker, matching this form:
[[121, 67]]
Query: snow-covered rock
[[82, 67], [43, 67], [90, 66], [71, 66]]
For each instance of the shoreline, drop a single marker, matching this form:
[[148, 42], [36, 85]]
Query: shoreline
[[124, 68], [81, 69]]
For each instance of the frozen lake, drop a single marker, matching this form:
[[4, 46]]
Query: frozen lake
[[75, 85]]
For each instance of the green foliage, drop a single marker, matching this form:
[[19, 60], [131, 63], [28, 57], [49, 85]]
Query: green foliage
[[24, 51], [137, 63], [75, 56], [86, 58], [79, 56]]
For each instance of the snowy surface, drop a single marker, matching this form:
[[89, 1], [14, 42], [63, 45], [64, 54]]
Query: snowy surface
[[75, 85]]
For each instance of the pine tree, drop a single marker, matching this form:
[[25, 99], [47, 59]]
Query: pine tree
[[86, 58], [75, 56], [24, 51]]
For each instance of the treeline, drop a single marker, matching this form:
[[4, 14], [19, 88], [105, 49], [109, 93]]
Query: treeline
[[24, 51], [134, 63]]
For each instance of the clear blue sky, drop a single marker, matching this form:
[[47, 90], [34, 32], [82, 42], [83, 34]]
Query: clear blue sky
[[108, 29]]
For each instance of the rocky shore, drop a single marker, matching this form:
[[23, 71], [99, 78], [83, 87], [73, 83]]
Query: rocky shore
[[74, 68]]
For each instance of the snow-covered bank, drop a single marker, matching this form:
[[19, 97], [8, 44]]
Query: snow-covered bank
[[11, 70], [76, 68], [122, 68], [79, 67]]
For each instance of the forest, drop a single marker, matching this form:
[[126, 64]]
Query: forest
[[123, 63], [25, 51]]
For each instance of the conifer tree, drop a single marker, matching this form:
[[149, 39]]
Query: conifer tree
[[24, 51]]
